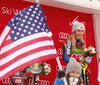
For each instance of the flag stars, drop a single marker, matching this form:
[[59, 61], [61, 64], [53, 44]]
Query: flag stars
[[36, 30], [34, 12], [19, 18], [15, 38], [17, 33], [37, 5], [27, 13], [23, 20], [29, 32], [31, 6], [19, 29], [44, 24], [13, 24], [33, 24], [32, 15], [29, 22], [30, 18], [21, 15], [42, 29], [12, 32], [26, 16], [38, 14], [15, 27], [31, 28], [22, 35], [37, 17], [17, 23], [38, 27], [16, 18], [12, 20], [36, 8], [26, 26], [40, 23], [30, 9], [24, 31], [21, 24], [41, 20], [35, 21], [20, 12]]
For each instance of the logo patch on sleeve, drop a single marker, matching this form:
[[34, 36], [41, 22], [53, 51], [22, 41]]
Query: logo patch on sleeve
[[68, 51]]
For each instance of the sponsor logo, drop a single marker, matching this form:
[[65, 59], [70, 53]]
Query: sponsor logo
[[76, 55], [68, 51], [81, 28], [63, 67], [75, 68], [63, 35], [43, 82], [6, 80], [60, 51], [9, 11], [18, 81]]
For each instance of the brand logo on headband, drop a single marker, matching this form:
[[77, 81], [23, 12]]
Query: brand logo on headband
[[81, 27], [75, 68]]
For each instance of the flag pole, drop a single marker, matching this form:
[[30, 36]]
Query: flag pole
[[60, 67]]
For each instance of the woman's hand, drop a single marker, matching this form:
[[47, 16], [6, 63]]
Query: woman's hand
[[82, 59]]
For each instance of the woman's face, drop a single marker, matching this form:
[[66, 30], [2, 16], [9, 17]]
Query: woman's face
[[78, 34], [74, 74]]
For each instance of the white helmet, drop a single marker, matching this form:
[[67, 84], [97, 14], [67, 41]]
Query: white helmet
[[77, 26]]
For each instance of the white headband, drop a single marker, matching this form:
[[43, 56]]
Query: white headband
[[77, 26]]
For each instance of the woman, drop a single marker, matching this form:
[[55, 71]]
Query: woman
[[75, 44], [72, 74]]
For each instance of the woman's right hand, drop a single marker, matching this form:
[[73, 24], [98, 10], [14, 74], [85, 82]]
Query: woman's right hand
[[82, 59]]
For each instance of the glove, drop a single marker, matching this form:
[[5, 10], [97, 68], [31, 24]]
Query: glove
[[61, 74], [88, 59]]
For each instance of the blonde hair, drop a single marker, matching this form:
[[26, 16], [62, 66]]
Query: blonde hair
[[72, 38]]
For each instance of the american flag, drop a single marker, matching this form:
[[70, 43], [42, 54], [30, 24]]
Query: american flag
[[25, 40]]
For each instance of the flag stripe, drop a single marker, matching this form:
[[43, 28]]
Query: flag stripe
[[8, 41], [26, 54], [23, 45], [24, 65], [22, 50], [21, 41], [4, 35], [26, 59]]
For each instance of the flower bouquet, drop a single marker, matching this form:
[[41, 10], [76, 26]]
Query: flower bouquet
[[90, 51], [40, 68], [87, 53], [45, 68]]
